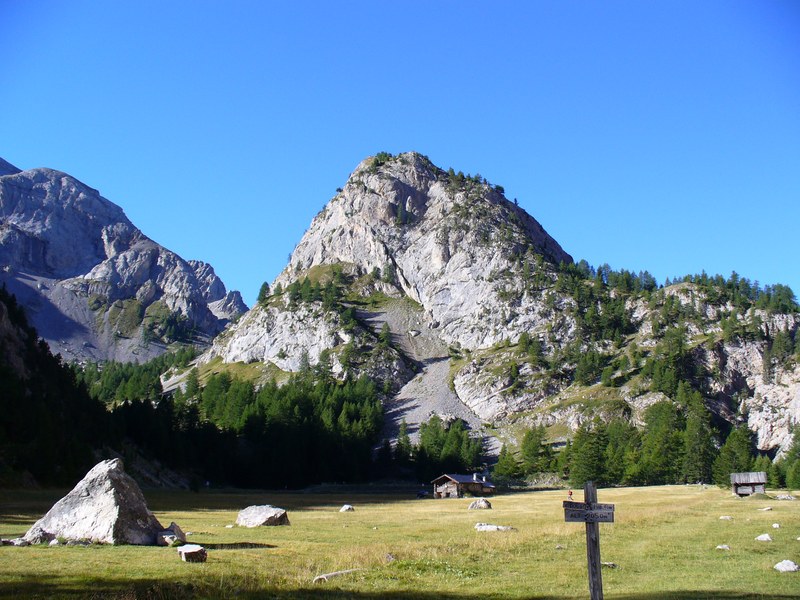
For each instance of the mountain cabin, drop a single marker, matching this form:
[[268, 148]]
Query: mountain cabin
[[745, 484], [455, 486]]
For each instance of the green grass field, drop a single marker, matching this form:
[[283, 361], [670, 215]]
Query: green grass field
[[663, 543]]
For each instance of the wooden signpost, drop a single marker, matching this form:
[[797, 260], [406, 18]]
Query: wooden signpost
[[591, 512]]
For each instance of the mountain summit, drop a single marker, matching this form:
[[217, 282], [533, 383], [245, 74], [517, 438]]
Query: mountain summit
[[461, 305], [94, 285]]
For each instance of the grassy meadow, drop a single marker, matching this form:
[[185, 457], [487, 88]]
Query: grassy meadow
[[663, 544]]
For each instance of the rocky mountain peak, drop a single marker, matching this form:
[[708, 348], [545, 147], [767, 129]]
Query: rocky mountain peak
[[440, 237], [6, 168], [93, 284]]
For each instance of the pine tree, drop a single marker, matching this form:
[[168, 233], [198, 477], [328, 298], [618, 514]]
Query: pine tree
[[588, 455], [698, 449], [507, 465], [263, 293], [736, 455]]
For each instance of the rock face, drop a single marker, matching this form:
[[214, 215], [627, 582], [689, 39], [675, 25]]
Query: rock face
[[262, 515], [460, 276], [106, 507], [94, 286]]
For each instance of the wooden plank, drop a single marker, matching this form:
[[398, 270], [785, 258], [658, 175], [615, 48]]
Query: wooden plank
[[593, 547], [588, 516], [587, 506]]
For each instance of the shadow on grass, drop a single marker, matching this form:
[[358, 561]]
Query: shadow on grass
[[237, 546], [145, 589]]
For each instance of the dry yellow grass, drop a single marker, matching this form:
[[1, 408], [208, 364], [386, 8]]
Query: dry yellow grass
[[663, 542]]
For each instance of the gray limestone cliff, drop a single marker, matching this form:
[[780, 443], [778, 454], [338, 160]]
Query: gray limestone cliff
[[94, 286], [459, 276]]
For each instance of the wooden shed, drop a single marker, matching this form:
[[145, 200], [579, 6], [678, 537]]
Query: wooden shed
[[455, 486], [745, 484]]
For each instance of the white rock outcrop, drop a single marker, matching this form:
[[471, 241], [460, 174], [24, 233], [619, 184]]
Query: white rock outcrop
[[262, 515], [105, 507]]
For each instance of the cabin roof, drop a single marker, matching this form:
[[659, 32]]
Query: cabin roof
[[747, 478], [461, 479]]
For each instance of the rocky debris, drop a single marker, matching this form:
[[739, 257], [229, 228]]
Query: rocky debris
[[764, 537], [726, 518], [776, 525], [262, 515], [490, 527], [480, 504], [609, 565], [765, 509], [171, 536], [784, 497], [787, 566], [88, 278], [192, 553], [723, 547], [105, 507], [347, 508]]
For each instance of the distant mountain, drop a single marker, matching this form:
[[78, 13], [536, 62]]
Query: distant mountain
[[94, 286], [458, 300]]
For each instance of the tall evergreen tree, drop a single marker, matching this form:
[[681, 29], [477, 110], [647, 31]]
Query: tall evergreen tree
[[735, 456], [698, 449]]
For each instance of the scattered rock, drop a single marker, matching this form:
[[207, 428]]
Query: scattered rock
[[480, 504], [105, 507], [347, 508], [192, 553], [785, 497], [764, 537], [20, 542], [54, 542], [5, 542], [726, 518], [390, 557], [559, 547], [262, 515], [776, 525], [490, 527], [609, 565], [326, 576], [228, 526], [765, 509], [171, 536], [723, 547], [787, 566]]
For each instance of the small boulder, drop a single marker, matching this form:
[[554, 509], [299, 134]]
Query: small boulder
[[726, 518], [490, 527], [171, 536], [776, 525], [764, 537], [347, 508], [480, 504], [765, 509], [787, 566], [262, 515], [192, 553], [723, 547]]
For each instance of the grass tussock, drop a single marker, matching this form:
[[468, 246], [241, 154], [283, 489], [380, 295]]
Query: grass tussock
[[663, 541]]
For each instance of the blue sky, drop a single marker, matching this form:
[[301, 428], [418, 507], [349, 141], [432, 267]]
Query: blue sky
[[660, 136]]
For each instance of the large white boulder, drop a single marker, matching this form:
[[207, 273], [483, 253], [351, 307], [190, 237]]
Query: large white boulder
[[106, 507], [258, 515]]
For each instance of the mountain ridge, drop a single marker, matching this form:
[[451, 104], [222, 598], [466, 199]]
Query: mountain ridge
[[527, 332], [95, 286]]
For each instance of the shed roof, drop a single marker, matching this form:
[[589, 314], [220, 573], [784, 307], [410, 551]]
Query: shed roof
[[462, 479], [753, 477]]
